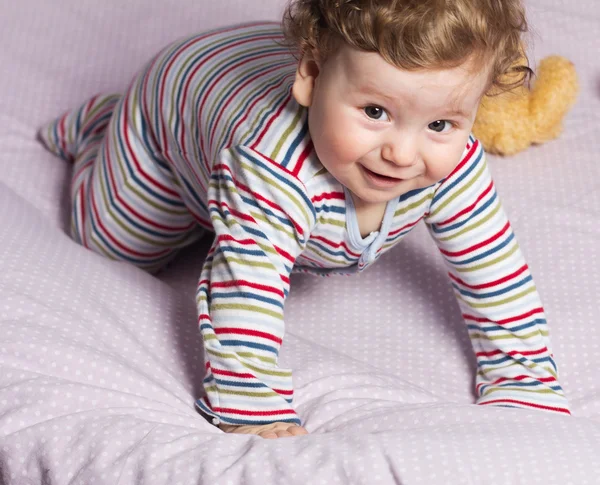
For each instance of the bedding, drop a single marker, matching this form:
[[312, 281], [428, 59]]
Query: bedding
[[101, 363]]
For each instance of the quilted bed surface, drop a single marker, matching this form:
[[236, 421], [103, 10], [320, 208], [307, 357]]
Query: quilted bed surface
[[101, 363]]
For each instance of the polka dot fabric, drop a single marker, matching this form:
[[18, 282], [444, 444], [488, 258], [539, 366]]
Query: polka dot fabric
[[100, 363]]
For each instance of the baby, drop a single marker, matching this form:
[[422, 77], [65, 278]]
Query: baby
[[314, 148]]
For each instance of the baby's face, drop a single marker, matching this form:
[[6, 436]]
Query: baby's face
[[382, 131]]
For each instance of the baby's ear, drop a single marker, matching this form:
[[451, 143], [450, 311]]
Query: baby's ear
[[306, 75]]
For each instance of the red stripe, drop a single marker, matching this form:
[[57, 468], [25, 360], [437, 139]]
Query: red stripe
[[114, 240], [62, 136], [302, 158], [268, 124], [249, 333], [242, 412], [506, 320], [527, 404], [336, 245], [131, 210], [285, 392], [133, 158], [397, 231], [463, 161], [254, 79], [235, 283], [83, 221], [478, 245], [493, 283], [215, 81], [329, 196], [512, 352], [250, 242], [166, 73], [234, 212], [319, 264], [250, 108], [298, 228], [469, 208], [229, 373]]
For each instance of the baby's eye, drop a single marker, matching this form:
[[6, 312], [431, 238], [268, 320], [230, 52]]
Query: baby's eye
[[440, 126], [375, 112]]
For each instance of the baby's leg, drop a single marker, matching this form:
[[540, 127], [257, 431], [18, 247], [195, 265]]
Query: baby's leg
[[125, 199]]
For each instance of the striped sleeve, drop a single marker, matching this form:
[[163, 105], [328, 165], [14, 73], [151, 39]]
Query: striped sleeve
[[495, 290], [262, 219]]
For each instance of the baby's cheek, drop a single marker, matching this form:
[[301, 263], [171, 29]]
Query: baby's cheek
[[342, 145], [442, 166]]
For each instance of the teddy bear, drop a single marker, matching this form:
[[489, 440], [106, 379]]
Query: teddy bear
[[510, 122]]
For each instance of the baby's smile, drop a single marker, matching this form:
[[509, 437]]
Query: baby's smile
[[380, 180]]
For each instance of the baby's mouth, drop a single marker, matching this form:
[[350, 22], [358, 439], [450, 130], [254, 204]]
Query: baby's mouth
[[379, 179]]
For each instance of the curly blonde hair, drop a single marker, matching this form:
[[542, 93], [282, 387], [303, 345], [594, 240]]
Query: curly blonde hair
[[417, 34]]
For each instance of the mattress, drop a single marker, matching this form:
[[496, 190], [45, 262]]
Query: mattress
[[101, 363]]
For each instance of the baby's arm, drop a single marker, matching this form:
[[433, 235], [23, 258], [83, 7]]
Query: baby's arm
[[495, 291], [262, 218]]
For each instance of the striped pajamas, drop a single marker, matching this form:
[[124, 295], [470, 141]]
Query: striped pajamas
[[208, 137]]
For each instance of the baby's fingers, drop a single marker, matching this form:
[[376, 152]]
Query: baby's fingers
[[291, 430]]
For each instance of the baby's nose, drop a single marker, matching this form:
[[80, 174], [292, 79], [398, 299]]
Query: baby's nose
[[400, 152]]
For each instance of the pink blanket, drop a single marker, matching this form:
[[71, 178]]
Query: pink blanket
[[100, 363]]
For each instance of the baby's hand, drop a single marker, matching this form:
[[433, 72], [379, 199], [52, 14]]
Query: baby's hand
[[269, 431]]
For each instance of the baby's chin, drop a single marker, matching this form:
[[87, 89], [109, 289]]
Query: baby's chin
[[370, 195], [373, 197]]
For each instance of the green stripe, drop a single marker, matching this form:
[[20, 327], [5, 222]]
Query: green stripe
[[333, 222], [414, 205], [489, 263], [473, 226], [220, 390], [337, 262], [520, 389], [508, 336], [245, 307], [229, 260], [237, 112], [279, 227], [278, 186], [285, 134], [496, 303], [460, 191], [245, 355], [258, 370], [117, 218]]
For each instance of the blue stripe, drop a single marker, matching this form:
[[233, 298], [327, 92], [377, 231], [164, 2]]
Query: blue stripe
[[223, 382], [244, 109], [127, 163], [215, 295], [480, 296], [439, 195], [498, 328], [294, 145], [91, 128], [412, 193], [440, 230], [253, 202], [249, 252], [254, 54], [120, 255], [261, 164], [251, 345], [124, 215], [484, 255], [331, 208], [331, 252]]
